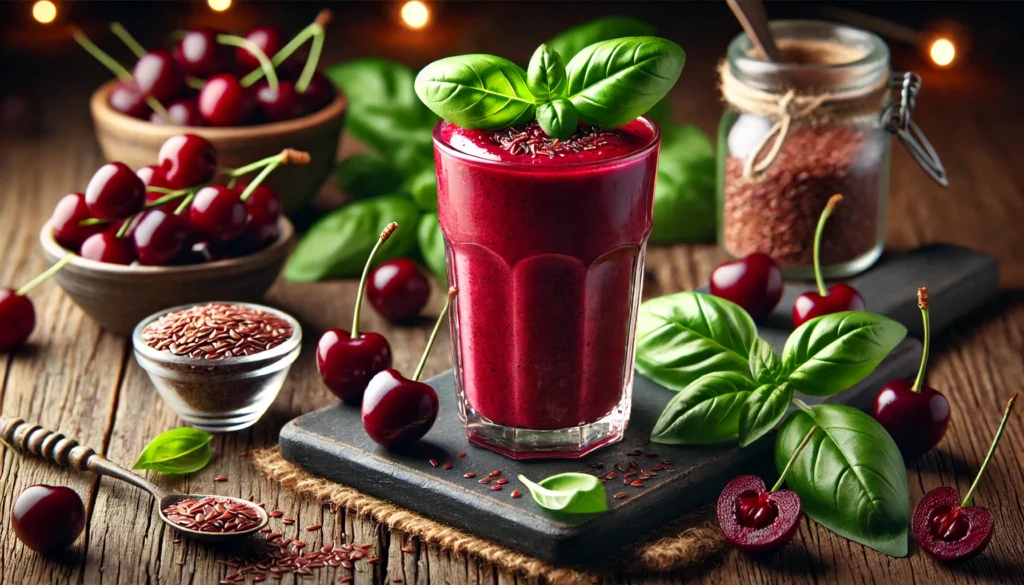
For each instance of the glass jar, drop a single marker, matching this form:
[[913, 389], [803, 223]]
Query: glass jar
[[797, 132]]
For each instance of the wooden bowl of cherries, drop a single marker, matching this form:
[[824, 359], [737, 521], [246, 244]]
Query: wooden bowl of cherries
[[183, 230], [251, 96]]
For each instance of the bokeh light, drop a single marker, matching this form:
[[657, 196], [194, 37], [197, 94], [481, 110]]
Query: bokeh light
[[415, 14], [44, 11], [942, 52], [219, 5]]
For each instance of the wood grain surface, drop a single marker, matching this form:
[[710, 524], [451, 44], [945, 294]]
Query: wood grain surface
[[75, 377]]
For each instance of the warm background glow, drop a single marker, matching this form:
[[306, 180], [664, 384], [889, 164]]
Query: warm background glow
[[44, 11], [415, 14], [219, 5], [942, 52]]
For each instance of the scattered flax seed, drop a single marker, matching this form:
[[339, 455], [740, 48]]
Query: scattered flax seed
[[485, 480], [501, 481], [496, 488], [397, 580], [448, 466], [469, 475], [650, 454], [345, 580], [516, 495], [620, 495], [314, 527], [299, 544], [613, 475], [462, 454], [288, 521], [276, 514], [635, 453], [408, 549], [220, 478], [243, 454], [496, 473], [216, 331], [637, 483], [433, 463]]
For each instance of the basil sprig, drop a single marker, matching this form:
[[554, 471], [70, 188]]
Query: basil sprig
[[608, 83], [177, 451], [570, 493]]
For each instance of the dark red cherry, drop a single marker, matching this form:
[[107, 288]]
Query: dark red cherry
[[224, 102], [201, 252], [107, 247], [754, 520], [183, 112], [159, 237], [319, 93], [48, 518], [917, 421], [268, 38], [127, 99], [263, 209], [347, 364], [217, 213], [398, 411], [398, 290], [753, 282], [17, 319], [153, 176], [282, 104], [67, 218], [199, 54], [157, 75], [187, 160], [947, 531], [114, 192], [840, 297]]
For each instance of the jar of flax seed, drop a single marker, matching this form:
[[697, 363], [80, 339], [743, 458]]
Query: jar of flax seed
[[796, 132]]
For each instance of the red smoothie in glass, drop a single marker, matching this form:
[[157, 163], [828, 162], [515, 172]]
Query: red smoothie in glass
[[545, 243]]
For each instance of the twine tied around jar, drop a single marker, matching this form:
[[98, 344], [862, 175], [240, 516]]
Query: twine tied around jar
[[790, 105]]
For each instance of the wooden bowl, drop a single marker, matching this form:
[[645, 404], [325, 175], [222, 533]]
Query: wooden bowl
[[118, 296], [137, 142]]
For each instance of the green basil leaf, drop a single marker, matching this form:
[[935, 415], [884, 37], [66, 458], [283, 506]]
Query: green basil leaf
[[765, 365], [613, 82], [762, 410], [546, 74], [570, 493], [177, 451], [366, 175], [831, 353], [573, 40], [685, 205], [850, 478], [422, 188], [706, 411], [681, 337], [431, 241], [557, 118], [338, 244], [478, 92]]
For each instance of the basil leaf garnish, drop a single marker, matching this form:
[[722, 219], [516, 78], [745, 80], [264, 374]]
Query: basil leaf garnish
[[850, 478], [573, 40], [762, 410], [765, 365], [706, 411], [570, 493], [831, 353], [177, 451], [613, 82], [431, 241], [477, 91], [557, 118], [337, 245], [683, 336], [545, 75]]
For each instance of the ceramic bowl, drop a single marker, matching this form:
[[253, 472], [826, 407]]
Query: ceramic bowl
[[137, 142], [120, 296]]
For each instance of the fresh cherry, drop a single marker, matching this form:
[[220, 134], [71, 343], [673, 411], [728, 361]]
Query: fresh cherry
[[217, 213], [283, 104], [17, 315], [758, 521], [107, 247], [183, 112], [199, 54], [67, 219], [48, 518], [347, 362], [224, 102], [114, 192], [267, 38], [753, 282], [398, 289], [159, 237], [838, 298], [398, 411], [201, 252], [951, 529], [263, 209], [158, 76], [915, 415], [187, 160], [127, 99]]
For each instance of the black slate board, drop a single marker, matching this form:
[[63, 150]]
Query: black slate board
[[331, 443]]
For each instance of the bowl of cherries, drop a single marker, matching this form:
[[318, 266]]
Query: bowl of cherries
[[181, 231], [251, 96]]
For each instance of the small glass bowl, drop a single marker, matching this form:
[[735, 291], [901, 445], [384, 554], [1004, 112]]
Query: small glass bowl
[[222, 395]]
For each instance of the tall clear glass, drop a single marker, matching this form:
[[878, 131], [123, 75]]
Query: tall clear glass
[[548, 259]]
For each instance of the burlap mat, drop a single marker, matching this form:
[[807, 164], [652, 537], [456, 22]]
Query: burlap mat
[[678, 546]]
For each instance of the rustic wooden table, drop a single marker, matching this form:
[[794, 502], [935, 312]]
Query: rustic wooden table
[[75, 377]]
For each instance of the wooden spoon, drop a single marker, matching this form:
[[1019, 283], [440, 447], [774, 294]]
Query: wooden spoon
[[752, 18]]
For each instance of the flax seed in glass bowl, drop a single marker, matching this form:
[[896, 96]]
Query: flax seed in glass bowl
[[219, 365]]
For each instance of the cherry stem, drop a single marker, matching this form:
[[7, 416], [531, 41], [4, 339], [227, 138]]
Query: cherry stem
[[792, 458], [265, 64], [92, 221], [831, 205], [159, 108], [185, 203], [287, 156], [968, 499], [109, 62], [195, 83], [433, 334], [384, 235], [124, 226], [311, 62], [46, 274], [259, 179], [293, 45], [126, 37], [922, 303]]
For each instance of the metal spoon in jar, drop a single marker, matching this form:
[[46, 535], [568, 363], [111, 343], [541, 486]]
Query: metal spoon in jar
[[232, 513], [751, 15]]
